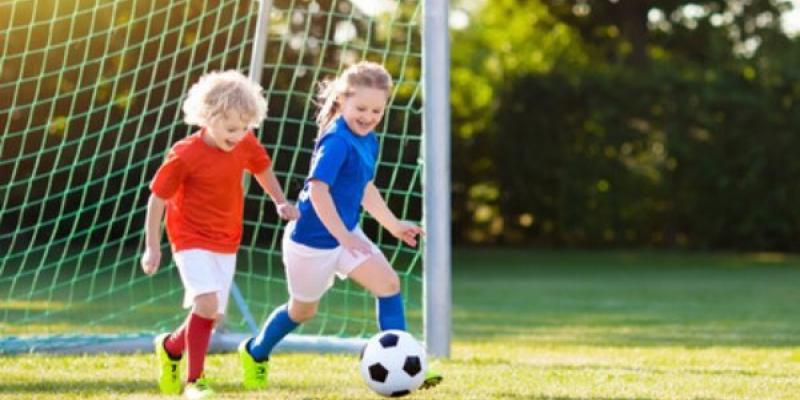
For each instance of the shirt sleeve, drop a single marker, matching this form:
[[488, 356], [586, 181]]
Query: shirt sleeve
[[258, 160], [328, 159], [169, 177]]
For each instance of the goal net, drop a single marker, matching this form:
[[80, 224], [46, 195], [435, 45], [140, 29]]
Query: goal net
[[90, 97]]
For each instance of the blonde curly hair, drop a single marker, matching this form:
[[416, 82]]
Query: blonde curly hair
[[217, 93]]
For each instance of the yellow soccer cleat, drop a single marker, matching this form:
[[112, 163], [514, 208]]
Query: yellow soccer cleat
[[432, 378], [169, 370], [254, 373]]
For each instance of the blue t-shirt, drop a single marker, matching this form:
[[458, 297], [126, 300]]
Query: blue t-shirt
[[346, 162]]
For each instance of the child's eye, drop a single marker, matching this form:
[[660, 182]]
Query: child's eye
[[361, 108]]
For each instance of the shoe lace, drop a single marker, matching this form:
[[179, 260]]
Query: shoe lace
[[261, 371], [173, 370]]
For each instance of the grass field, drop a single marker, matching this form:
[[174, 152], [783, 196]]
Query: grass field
[[538, 325]]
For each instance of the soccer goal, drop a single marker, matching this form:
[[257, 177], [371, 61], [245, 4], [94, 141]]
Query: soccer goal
[[90, 96]]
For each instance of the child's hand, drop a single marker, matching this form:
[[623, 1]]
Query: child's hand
[[150, 260], [355, 244], [407, 232], [287, 211]]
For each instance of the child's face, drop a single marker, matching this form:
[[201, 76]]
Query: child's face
[[225, 131], [363, 109]]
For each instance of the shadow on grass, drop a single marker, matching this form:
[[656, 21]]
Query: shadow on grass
[[101, 386], [508, 395], [106, 387], [490, 362], [614, 299]]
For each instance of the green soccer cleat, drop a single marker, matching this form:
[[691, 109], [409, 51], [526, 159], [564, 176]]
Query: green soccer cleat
[[198, 390], [169, 370], [254, 373], [432, 378]]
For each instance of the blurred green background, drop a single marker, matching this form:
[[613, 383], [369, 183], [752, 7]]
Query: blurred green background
[[576, 123], [596, 124]]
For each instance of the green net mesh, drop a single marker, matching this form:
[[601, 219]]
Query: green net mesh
[[90, 96]]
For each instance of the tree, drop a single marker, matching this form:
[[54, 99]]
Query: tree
[[628, 31]]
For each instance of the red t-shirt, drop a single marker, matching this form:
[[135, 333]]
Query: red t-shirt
[[202, 186]]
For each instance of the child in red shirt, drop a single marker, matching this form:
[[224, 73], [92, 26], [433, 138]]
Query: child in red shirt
[[200, 186]]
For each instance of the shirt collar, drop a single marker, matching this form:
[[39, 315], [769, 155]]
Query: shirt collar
[[341, 124]]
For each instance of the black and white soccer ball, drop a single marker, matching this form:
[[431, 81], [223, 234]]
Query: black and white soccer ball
[[393, 363]]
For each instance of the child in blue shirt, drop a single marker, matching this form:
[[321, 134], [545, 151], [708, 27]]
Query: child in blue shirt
[[326, 240]]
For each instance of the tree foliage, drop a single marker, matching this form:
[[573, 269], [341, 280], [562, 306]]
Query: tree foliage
[[680, 134]]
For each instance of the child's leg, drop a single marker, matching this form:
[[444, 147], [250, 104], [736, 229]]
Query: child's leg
[[376, 275], [198, 333], [309, 274], [176, 341], [280, 323]]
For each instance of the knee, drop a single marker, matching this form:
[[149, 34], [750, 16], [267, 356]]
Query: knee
[[205, 305], [389, 287], [302, 312]]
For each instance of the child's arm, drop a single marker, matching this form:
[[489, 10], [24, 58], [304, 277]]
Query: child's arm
[[269, 182], [374, 203], [321, 200], [152, 253]]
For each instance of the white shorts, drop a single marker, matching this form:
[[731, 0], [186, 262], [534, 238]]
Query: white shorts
[[202, 272], [310, 271]]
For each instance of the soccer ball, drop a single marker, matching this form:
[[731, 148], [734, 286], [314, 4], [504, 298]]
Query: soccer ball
[[393, 363]]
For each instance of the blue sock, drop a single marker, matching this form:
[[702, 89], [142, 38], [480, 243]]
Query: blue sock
[[278, 325], [391, 314]]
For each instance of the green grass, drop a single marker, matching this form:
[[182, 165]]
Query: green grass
[[105, 292], [539, 325]]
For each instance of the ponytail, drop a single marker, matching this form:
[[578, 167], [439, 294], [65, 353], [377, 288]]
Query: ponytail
[[328, 106]]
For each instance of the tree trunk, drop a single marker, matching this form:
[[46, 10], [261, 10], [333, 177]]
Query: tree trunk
[[632, 21]]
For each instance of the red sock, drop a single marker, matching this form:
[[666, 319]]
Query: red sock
[[176, 341], [198, 333]]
